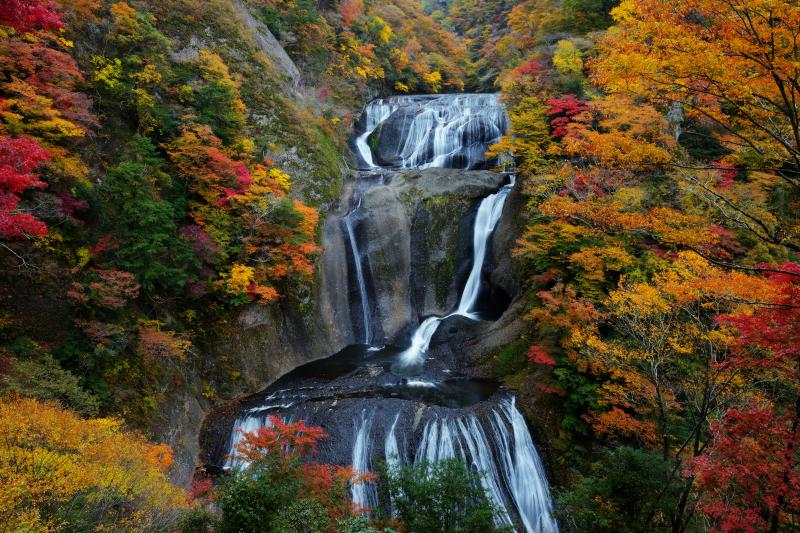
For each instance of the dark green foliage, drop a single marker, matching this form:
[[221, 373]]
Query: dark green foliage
[[35, 374], [305, 515], [143, 224], [701, 142], [438, 497], [80, 356], [196, 521], [251, 500], [626, 492], [583, 16], [215, 104], [360, 524], [512, 358]]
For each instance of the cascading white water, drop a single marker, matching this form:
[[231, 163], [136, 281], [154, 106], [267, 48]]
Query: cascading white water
[[376, 112], [489, 212], [391, 449], [364, 494], [434, 131], [247, 424], [523, 472], [505, 454], [362, 285]]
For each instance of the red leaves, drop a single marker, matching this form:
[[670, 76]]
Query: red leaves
[[285, 440], [201, 489], [106, 243], [531, 68], [200, 241], [539, 356], [726, 173], [749, 473], [286, 448], [774, 329], [18, 158], [27, 16], [563, 110]]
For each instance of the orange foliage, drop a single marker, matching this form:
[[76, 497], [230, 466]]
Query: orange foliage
[[110, 289], [287, 450], [49, 458], [154, 344]]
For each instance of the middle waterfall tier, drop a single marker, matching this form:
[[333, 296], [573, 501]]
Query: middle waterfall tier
[[488, 215]]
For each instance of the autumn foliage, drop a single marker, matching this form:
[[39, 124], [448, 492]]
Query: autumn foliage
[[18, 159], [280, 457], [53, 463], [661, 245]]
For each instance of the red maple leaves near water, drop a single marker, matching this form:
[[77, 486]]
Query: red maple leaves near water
[[287, 449]]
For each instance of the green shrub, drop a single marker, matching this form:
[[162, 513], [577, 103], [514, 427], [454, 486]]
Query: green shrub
[[445, 496]]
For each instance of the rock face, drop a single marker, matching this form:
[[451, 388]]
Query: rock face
[[414, 232], [270, 46], [415, 237]]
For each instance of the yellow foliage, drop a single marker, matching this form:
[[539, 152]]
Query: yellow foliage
[[309, 219], [239, 279], [49, 457], [433, 80], [107, 72], [596, 261], [214, 68], [567, 58], [125, 18], [149, 75]]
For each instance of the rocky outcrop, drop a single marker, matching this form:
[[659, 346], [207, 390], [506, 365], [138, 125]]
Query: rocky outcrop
[[268, 44], [415, 232]]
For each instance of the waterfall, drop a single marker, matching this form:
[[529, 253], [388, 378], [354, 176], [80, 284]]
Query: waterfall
[[367, 407], [502, 449], [362, 285], [376, 112], [488, 215], [246, 424], [390, 448], [364, 494], [522, 469], [433, 131], [489, 212]]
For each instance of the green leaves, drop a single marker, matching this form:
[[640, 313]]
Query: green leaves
[[143, 224], [445, 496]]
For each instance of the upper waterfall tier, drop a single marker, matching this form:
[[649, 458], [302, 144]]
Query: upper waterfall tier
[[442, 131]]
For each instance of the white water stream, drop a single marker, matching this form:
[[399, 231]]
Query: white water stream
[[489, 213], [360, 280]]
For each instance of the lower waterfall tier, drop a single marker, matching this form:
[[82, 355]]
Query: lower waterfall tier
[[373, 413]]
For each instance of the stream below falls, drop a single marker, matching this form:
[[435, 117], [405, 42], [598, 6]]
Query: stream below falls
[[410, 400]]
